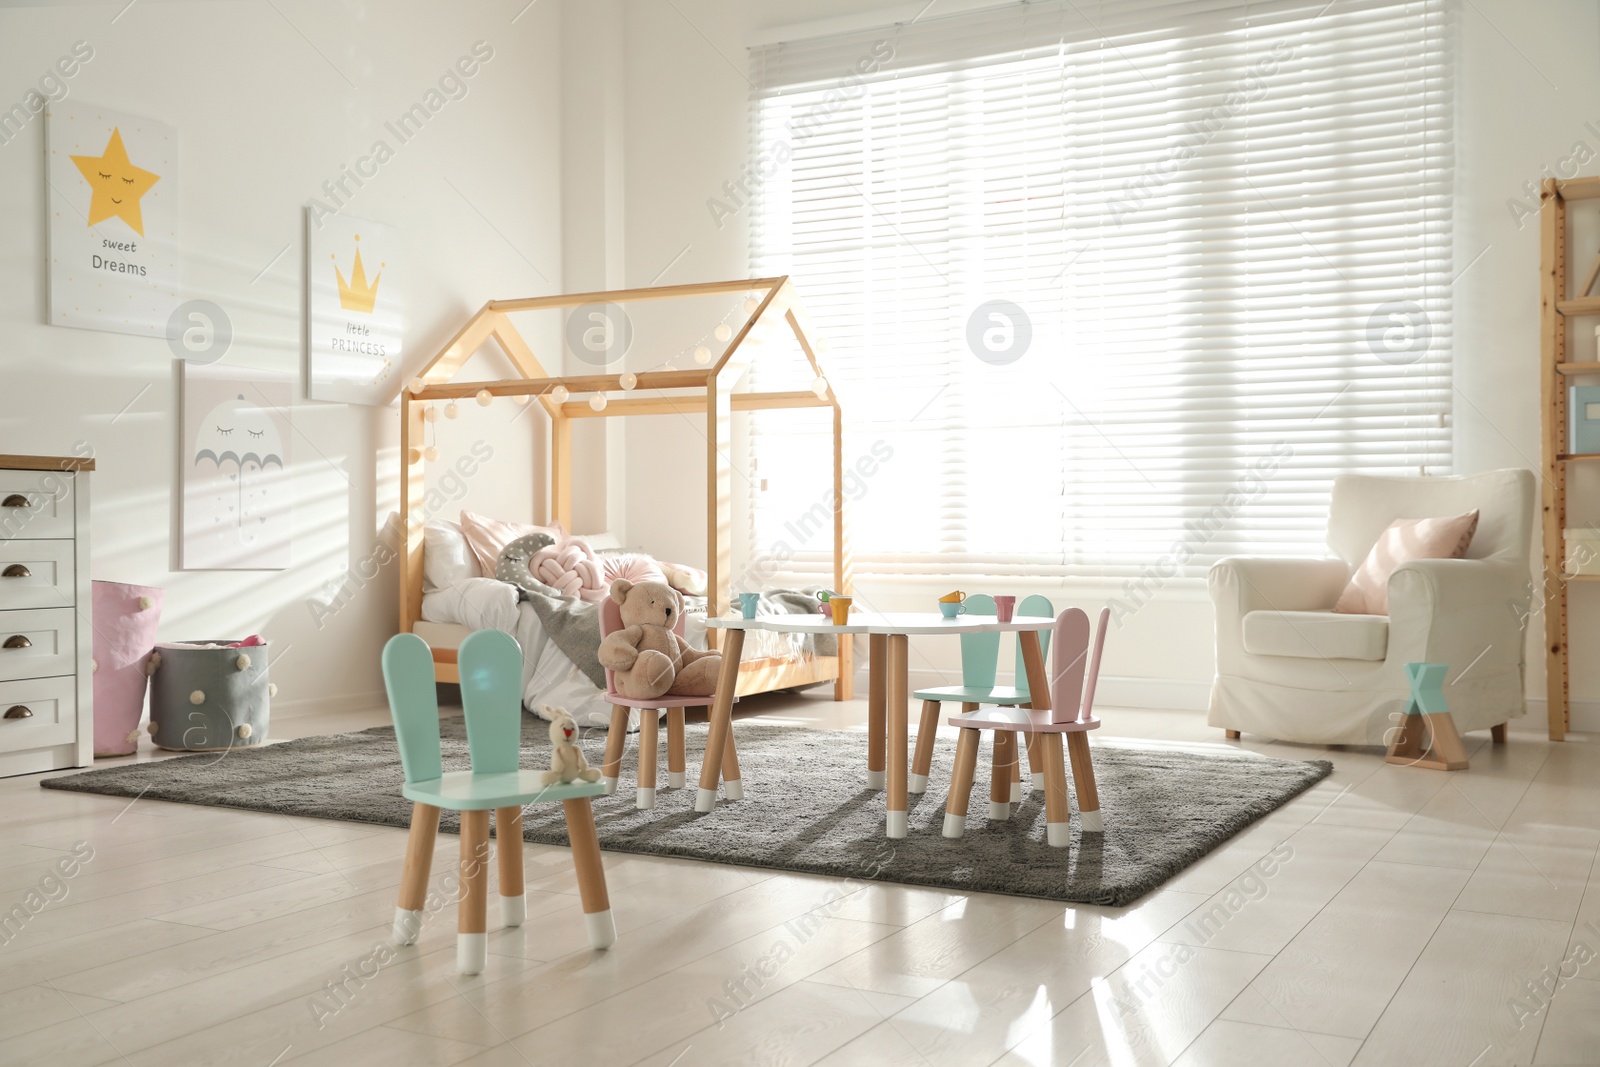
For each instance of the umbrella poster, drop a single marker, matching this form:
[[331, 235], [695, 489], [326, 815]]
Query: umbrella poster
[[113, 216], [235, 462], [355, 329]]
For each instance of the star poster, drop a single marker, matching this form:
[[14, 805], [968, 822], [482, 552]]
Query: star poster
[[113, 217], [234, 457], [355, 327]]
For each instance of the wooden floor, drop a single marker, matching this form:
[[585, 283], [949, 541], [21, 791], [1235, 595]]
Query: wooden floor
[[1390, 916]]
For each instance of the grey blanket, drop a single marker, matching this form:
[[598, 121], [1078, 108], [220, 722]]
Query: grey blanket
[[574, 625]]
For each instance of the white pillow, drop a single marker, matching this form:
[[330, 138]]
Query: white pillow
[[446, 558], [600, 542]]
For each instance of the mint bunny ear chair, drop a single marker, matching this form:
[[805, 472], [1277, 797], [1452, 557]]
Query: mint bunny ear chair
[[491, 670]]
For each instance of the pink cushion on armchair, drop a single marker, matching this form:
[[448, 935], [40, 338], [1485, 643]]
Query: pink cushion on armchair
[[1404, 541]]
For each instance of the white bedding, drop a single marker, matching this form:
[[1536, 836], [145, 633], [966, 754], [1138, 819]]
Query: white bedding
[[548, 676]]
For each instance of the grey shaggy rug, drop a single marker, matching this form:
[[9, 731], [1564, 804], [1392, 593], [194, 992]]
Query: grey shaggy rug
[[806, 806]]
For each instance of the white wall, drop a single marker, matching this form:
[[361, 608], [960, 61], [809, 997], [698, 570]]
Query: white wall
[[268, 106], [687, 132]]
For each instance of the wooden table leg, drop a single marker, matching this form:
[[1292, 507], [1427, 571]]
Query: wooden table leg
[[649, 722], [591, 872], [922, 759], [472, 921], [1005, 761], [508, 856], [899, 690], [414, 876], [616, 741], [721, 722], [1036, 759], [675, 754], [732, 782], [1083, 778], [877, 704], [955, 809], [1058, 831]]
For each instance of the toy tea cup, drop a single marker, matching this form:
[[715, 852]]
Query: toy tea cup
[[951, 608], [748, 603], [840, 607], [955, 597], [1004, 606]]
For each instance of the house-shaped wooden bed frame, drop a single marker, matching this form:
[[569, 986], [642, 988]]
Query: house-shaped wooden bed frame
[[700, 393]]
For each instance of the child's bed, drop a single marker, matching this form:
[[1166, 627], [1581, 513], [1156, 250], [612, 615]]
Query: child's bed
[[443, 611]]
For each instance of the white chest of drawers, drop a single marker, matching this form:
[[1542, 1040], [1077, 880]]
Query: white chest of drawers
[[46, 689]]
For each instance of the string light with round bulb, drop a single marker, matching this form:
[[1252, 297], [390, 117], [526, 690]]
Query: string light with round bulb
[[627, 380], [431, 454], [702, 354], [430, 413], [559, 394], [820, 387], [598, 402], [415, 455], [750, 304], [722, 332], [417, 386], [485, 398], [522, 399], [451, 411]]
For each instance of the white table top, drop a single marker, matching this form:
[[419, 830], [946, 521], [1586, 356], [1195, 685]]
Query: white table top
[[884, 622]]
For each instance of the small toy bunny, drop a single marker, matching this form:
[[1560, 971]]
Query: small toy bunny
[[566, 759]]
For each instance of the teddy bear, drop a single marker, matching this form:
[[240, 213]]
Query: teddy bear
[[566, 758], [646, 658]]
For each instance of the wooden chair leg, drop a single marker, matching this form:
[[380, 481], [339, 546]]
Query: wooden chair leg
[[1231, 735], [1497, 733], [675, 757], [1058, 831], [414, 876], [616, 740], [720, 732], [1083, 778], [732, 783], [1036, 758], [508, 855], [1005, 759], [922, 758], [877, 708], [955, 809], [591, 872], [897, 712], [649, 719], [1016, 771], [472, 921]]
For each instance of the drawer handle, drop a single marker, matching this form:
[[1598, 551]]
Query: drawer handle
[[17, 641], [19, 711], [15, 500], [16, 570]]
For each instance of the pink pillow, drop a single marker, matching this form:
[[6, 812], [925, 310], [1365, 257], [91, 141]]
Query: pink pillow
[[487, 537], [630, 565], [1404, 541], [569, 567]]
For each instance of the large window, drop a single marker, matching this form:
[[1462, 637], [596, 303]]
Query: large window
[[1110, 287]]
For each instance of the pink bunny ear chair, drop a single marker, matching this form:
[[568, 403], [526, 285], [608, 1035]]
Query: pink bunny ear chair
[[1070, 715]]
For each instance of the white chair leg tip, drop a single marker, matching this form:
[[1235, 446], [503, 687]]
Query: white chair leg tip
[[611, 785], [1058, 834], [875, 779], [602, 928], [733, 789], [895, 824], [407, 925], [705, 800], [472, 953], [954, 825], [1016, 792], [514, 910], [645, 798], [1093, 822], [675, 779], [1038, 779], [999, 811], [916, 784]]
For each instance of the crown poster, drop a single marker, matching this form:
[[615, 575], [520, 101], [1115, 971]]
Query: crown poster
[[355, 327], [113, 217]]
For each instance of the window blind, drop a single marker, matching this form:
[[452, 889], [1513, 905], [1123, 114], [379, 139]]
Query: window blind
[[1109, 289]]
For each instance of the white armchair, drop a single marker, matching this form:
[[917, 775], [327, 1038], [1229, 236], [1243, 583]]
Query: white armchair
[[1289, 667]]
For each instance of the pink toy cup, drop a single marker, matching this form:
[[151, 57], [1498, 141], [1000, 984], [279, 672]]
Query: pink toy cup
[[1004, 606]]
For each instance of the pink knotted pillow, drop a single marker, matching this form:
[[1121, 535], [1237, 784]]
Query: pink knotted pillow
[[569, 567], [1405, 540]]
